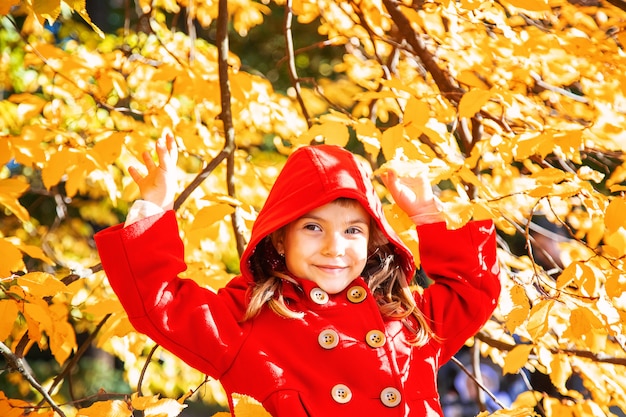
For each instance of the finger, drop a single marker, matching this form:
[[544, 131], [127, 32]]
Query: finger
[[172, 147], [147, 160], [135, 175], [165, 159], [390, 179]]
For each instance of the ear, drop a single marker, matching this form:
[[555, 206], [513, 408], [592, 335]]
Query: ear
[[278, 241]]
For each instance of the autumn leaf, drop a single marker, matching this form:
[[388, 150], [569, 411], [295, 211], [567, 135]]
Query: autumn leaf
[[40, 284], [614, 216], [416, 113], [153, 406], [11, 259], [10, 190], [114, 408], [8, 312], [512, 412], [246, 406], [516, 358], [207, 216], [35, 252], [530, 5], [539, 319], [473, 101], [560, 373], [520, 310], [5, 7]]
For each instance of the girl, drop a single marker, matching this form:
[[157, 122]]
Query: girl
[[321, 321]]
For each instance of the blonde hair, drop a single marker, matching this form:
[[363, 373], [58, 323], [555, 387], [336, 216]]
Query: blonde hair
[[387, 281]]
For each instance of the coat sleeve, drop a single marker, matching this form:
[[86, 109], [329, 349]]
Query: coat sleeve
[[463, 265], [142, 262]]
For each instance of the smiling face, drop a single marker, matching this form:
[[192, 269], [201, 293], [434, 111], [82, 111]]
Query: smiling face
[[328, 245]]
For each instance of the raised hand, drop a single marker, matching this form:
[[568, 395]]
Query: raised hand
[[413, 194], [159, 186]]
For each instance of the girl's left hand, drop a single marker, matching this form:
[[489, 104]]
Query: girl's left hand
[[414, 195]]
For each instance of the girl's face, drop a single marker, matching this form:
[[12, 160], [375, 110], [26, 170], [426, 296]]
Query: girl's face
[[328, 245]]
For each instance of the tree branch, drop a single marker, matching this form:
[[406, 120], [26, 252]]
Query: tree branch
[[595, 357], [293, 74], [445, 83], [69, 365], [20, 365], [227, 119]]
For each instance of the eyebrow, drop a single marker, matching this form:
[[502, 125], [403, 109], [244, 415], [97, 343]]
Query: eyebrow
[[350, 222]]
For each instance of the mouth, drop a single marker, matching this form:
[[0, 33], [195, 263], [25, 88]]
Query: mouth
[[331, 269]]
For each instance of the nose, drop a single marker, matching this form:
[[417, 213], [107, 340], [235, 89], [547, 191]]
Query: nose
[[334, 245]]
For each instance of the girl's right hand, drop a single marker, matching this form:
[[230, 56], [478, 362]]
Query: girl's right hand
[[159, 185]]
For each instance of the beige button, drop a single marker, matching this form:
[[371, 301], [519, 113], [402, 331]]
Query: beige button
[[356, 294], [390, 397], [319, 296], [328, 339], [341, 393], [375, 338]]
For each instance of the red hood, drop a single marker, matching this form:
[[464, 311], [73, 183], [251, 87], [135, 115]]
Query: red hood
[[312, 177]]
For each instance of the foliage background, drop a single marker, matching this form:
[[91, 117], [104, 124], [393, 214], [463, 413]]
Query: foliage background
[[516, 107]]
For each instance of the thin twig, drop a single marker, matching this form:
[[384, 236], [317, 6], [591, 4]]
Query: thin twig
[[293, 74], [595, 357], [478, 383], [144, 369], [20, 365], [227, 119], [69, 365]]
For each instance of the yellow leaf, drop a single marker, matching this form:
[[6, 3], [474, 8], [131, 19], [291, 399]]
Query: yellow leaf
[[471, 79], [103, 307], [107, 150], [530, 5], [457, 213], [41, 284], [5, 149], [47, 9], [35, 252], [5, 6], [57, 166], [520, 310], [207, 216], [538, 322], [115, 408], [28, 107], [614, 217], [79, 7], [394, 144], [616, 243], [369, 135], [615, 284], [473, 101], [39, 314], [11, 259], [512, 412], [246, 406], [516, 359], [155, 407], [560, 372], [550, 176], [10, 190], [8, 312], [62, 340], [416, 113], [528, 399]]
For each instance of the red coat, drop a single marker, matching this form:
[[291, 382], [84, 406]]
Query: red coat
[[342, 358]]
